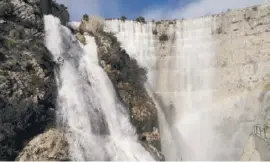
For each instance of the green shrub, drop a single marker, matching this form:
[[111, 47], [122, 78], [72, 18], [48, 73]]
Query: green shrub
[[171, 22], [255, 8], [85, 17], [9, 43], [163, 37], [155, 32], [123, 18], [158, 22], [219, 30], [140, 19]]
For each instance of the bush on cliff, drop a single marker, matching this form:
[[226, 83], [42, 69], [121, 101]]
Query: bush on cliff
[[123, 18], [163, 37], [140, 19], [85, 17], [155, 32]]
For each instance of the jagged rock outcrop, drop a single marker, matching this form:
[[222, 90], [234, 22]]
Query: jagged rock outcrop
[[27, 84], [49, 146], [91, 24]]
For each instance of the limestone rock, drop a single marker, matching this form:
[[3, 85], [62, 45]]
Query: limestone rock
[[49, 146], [27, 82], [91, 24], [81, 38]]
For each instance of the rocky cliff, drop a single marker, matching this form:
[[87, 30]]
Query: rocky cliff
[[128, 79], [27, 84], [49, 146], [224, 56]]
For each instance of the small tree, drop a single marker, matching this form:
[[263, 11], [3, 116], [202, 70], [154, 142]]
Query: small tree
[[140, 19], [155, 32], [85, 17], [123, 18], [163, 37]]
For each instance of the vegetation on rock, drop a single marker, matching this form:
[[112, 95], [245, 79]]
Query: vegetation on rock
[[85, 17], [140, 19], [171, 22], [27, 84], [155, 32], [163, 37], [128, 79], [123, 18]]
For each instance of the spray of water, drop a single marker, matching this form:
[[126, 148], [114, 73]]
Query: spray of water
[[140, 43], [193, 124], [97, 124]]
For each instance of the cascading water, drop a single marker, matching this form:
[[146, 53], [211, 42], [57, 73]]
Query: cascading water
[[97, 124], [195, 125], [140, 43]]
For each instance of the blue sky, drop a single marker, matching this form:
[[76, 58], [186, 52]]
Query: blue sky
[[152, 9]]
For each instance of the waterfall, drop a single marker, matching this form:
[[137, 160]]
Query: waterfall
[[140, 43], [96, 123], [195, 123], [192, 93]]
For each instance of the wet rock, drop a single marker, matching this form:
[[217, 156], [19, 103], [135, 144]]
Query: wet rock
[[61, 12], [81, 38], [49, 146]]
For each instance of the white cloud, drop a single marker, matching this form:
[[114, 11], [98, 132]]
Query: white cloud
[[197, 8]]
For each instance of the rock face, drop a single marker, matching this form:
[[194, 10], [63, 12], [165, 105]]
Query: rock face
[[49, 146], [91, 24], [128, 79], [27, 84]]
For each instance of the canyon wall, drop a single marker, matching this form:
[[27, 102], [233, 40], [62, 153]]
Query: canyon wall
[[210, 76], [27, 81]]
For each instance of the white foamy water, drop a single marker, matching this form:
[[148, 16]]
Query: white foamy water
[[140, 43], [193, 125], [97, 125]]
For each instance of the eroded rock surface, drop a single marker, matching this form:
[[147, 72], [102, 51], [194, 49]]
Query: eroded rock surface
[[27, 84], [49, 146]]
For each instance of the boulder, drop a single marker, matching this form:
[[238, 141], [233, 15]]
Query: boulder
[[91, 24], [49, 146]]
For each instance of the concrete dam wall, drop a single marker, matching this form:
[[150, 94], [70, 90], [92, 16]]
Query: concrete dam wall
[[210, 77]]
